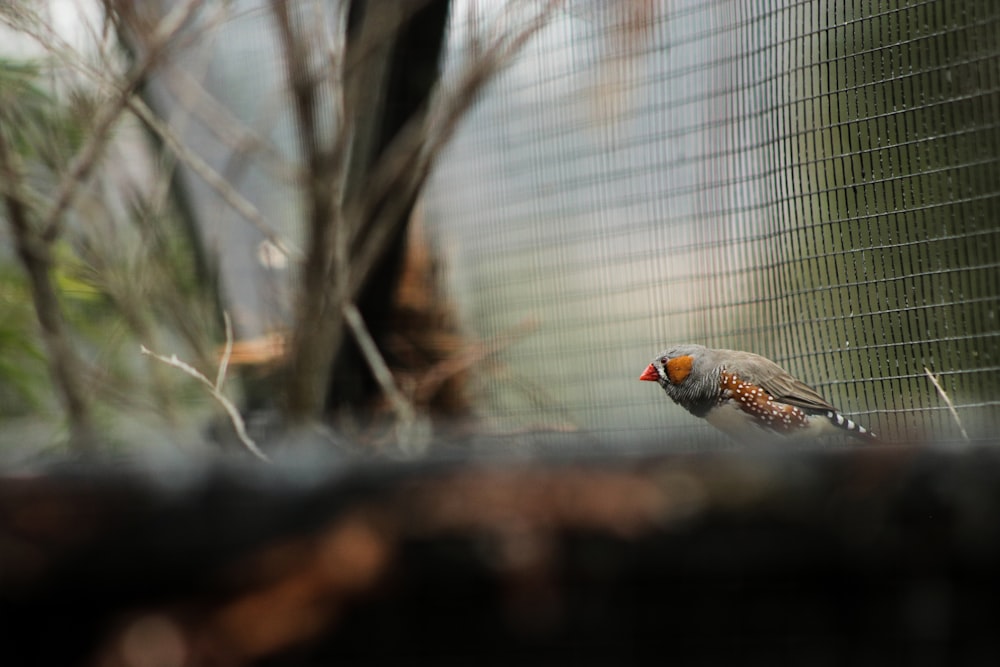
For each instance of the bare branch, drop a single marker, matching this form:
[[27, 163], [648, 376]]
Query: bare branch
[[234, 414], [406, 164], [36, 258], [218, 119], [349, 237], [402, 406], [313, 329], [220, 377], [226, 126], [212, 178], [108, 114]]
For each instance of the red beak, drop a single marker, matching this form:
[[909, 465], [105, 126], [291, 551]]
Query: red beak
[[650, 374]]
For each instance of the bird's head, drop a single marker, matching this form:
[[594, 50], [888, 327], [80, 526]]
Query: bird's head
[[685, 372]]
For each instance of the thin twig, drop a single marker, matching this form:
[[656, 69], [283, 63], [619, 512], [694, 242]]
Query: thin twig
[[214, 389], [107, 115], [947, 400], [36, 259], [212, 178], [226, 126], [227, 352], [404, 409]]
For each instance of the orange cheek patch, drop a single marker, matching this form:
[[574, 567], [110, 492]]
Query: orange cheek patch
[[679, 368]]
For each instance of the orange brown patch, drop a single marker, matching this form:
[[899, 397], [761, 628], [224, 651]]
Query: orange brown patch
[[679, 368], [760, 405]]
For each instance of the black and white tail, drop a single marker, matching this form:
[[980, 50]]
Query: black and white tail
[[855, 429]]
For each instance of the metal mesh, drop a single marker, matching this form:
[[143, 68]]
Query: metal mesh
[[818, 182]]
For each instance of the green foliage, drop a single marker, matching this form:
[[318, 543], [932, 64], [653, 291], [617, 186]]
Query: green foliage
[[123, 268], [22, 366], [40, 129]]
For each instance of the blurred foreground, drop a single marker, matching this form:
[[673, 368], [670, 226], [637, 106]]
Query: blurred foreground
[[596, 556]]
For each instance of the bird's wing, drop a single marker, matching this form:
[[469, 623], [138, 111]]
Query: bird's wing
[[787, 389], [780, 384]]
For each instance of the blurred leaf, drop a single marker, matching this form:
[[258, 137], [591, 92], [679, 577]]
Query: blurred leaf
[[22, 366], [38, 126]]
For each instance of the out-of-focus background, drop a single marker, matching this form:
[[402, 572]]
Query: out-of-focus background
[[817, 182], [416, 253]]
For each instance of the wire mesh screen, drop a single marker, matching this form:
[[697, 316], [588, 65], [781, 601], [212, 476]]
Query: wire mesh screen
[[817, 182]]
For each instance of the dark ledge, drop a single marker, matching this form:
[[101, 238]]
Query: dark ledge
[[860, 556]]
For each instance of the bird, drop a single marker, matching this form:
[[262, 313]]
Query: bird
[[746, 395]]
